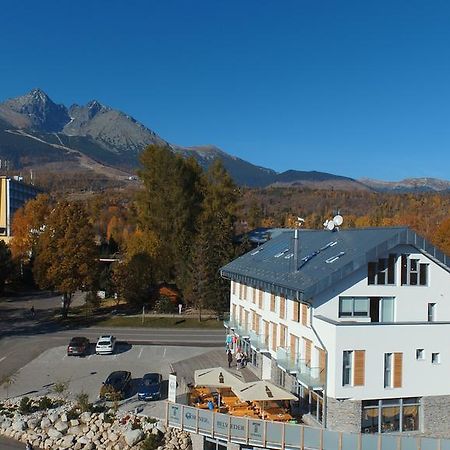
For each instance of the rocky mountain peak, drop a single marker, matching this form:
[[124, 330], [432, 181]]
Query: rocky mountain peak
[[40, 112]]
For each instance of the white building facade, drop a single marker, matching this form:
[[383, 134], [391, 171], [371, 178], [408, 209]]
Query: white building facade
[[357, 325]]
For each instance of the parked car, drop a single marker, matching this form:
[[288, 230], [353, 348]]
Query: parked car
[[78, 346], [116, 385], [105, 345], [150, 387]]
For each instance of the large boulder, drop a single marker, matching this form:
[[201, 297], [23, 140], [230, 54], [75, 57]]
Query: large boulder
[[6, 424], [132, 437], [85, 417], [53, 417], [66, 442], [61, 426], [54, 433], [45, 423], [19, 425]]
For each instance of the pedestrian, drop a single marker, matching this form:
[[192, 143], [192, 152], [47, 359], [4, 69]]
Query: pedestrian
[[244, 359], [33, 312], [238, 360], [230, 357], [28, 446], [180, 307], [210, 405]]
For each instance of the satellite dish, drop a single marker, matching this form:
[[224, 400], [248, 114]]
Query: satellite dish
[[338, 220], [330, 225]]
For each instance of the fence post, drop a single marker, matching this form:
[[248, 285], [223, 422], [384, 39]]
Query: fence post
[[359, 441], [283, 435], [229, 428], [340, 440], [399, 443], [247, 430], [182, 417], [265, 433], [212, 423], [419, 443], [167, 414], [302, 437], [196, 419], [379, 442], [321, 439]]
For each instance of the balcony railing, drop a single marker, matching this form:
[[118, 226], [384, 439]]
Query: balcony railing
[[313, 377], [258, 340]]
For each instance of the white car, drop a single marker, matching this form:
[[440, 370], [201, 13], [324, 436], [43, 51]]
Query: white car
[[105, 345]]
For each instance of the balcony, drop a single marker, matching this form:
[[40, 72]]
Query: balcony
[[259, 341], [312, 377]]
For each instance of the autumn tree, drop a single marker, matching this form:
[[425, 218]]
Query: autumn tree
[[67, 255], [214, 243], [169, 206], [442, 236], [27, 225], [134, 279]]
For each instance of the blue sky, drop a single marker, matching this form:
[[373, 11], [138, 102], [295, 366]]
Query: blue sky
[[355, 88]]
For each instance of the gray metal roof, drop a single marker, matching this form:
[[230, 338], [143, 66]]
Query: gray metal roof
[[325, 258]]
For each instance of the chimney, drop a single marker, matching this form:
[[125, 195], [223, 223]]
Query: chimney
[[296, 250]]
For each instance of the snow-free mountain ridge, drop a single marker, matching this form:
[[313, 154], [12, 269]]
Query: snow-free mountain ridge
[[36, 132]]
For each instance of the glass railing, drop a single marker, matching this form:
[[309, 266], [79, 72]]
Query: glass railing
[[258, 340], [313, 377]]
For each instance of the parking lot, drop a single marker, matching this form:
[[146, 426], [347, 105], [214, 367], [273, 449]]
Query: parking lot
[[86, 374]]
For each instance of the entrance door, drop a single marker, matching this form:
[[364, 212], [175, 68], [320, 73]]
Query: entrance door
[[374, 309], [266, 367]]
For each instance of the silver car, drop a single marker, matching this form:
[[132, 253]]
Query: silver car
[[105, 345]]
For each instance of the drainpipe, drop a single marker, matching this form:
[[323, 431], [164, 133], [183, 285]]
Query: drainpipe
[[324, 422]]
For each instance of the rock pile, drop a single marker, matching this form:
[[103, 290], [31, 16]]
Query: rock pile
[[53, 429]]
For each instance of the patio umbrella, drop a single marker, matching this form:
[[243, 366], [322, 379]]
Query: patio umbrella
[[263, 391], [218, 377]]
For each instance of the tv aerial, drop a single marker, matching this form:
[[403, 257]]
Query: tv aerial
[[334, 223]]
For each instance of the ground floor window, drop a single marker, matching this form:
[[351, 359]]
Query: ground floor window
[[281, 377], [390, 415]]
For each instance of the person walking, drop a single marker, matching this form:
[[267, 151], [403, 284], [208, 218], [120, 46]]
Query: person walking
[[230, 357], [238, 359], [33, 312]]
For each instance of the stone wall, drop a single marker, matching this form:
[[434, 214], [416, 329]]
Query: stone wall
[[344, 415], [436, 415]]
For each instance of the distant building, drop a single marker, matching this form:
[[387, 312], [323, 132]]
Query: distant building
[[14, 193], [354, 322]]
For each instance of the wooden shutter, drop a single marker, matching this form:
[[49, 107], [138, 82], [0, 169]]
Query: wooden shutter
[[398, 369], [295, 314], [359, 361], [308, 345], [322, 363], [274, 336], [292, 345], [272, 302], [260, 299], [283, 332], [253, 295], [241, 315], [245, 292], [233, 284], [304, 314], [234, 313], [246, 324], [240, 290], [282, 307], [257, 319]]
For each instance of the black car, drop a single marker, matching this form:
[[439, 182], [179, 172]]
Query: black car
[[78, 346], [150, 387], [116, 385]]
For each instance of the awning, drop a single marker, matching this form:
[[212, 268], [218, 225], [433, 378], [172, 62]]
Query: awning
[[218, 377], [263, 391]]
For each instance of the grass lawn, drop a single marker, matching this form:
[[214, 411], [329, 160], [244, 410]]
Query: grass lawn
[[160, 322]]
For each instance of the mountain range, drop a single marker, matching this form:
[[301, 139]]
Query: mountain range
[[36, 133]]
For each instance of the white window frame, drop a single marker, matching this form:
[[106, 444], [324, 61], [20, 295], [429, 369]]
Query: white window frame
[[348, 368], [435, 358], [420, 354], [388, 371]]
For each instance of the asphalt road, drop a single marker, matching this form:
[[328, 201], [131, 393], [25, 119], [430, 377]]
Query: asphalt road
[[23, 338], [10, 444]]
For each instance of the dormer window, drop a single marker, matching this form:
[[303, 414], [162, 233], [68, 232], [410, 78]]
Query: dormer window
[[414, 273], [383, 271]]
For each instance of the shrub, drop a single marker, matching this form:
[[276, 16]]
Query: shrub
[[151, 442], [164, 305], [83, 401], [25, 405], [60, 387], [45, 403], [72, 414]]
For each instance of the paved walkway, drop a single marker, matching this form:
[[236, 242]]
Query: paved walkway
[[10, 444], [215, 358]]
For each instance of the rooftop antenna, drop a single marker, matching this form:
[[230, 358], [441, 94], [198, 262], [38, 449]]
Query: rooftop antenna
[[334, 223], [299, 222]]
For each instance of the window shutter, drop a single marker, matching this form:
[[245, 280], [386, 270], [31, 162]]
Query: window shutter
[[245, 292], [304, 314], [282, 307], [295, 315], [272, 302], [322, 360], [234, 316], [233, 283], [266, 333], [292, 344], [308, 344], [240, 290], [398, 369], [260, 299], [359, 367], [274, 336], [257, 319], [246, 324]]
